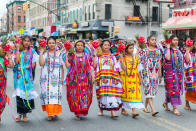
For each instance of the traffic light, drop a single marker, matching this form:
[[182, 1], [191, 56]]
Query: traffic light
[[26, 6], [115, 29]]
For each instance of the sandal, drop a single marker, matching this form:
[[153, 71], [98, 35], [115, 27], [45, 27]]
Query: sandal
[[166, 107], [77, 118], [100, 113], [18, 118], [176, 112], [146, 110], [25, 119], [187, 108], [154, 114], [124, 112], [113, 115], [135, 115], [50, 118]]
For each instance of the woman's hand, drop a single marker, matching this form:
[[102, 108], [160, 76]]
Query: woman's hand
[[17, 46], [121, 56]]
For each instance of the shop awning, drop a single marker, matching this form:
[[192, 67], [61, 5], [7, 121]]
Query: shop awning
[[72, 31], [180, 23], [94, 26]]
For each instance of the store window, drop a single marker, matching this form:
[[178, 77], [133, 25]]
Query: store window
[[108, 11], [136, 10], [155, 14]]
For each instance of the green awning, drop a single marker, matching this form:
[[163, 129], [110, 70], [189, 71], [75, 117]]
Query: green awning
[[180, 23], [39, 30]]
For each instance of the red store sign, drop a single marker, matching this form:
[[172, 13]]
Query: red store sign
[[186, 12]]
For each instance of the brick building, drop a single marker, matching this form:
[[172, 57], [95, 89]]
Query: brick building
[[16, 15]]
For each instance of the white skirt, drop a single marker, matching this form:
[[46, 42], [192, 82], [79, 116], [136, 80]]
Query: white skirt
[[110, 103], [129, 105]]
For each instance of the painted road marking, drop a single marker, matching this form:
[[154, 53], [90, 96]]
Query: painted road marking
[[167, 122], [158, 123]]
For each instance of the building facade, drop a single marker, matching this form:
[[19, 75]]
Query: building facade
[[93, 17], [3, 23], [38, 14], [16, 15], [183, 20]]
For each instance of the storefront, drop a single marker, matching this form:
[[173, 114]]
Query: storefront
[[182, 23], [94, 29]]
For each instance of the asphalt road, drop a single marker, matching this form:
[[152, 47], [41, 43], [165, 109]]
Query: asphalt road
[[165, 121]]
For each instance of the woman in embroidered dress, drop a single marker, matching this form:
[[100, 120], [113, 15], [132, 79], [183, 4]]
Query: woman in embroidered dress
[[24, 89], [173, 75], [51, 79], [108, 83], [79, 81], [152, 73], [4, 63], [131, 96], [190, 75]]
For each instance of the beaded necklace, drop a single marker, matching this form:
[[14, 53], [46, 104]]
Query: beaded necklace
[[48, 61]]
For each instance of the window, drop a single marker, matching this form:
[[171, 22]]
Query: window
[[19, 9], [89, 12], [24, 19], [193, 1], [19, 19], [108, 11], [85, 14], [136, 10], [93, 11], [154, 13], [80, 14], [74, 16], [170, 12], [77, 14]]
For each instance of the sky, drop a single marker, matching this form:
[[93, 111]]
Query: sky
[[3, 6]]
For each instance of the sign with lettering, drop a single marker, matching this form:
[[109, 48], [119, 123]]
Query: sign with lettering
[[133, 18], [165, 1], [184, 12]]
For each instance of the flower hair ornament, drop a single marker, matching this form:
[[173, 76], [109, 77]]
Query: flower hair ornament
[[68, 46], [141, 41]]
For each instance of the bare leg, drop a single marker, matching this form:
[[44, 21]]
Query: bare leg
[[175, 110], [134, 113], [154, 112], [146, 105], [165, 105], [77, 118], [100, 113], [124, 112], [18, 118], [113, 114], [187, 106], [25, 118]]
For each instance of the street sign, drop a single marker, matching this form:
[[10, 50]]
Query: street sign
[[21, 30], [58, 23], [62, 14]]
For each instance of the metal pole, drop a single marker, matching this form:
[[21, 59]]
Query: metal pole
[[8, 22], [59, 15]]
